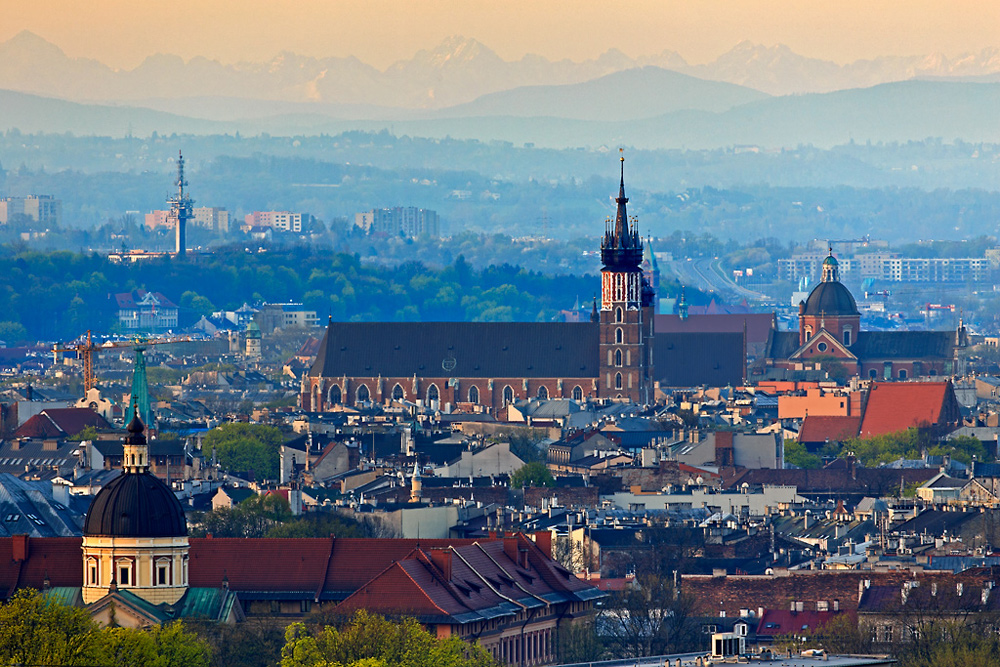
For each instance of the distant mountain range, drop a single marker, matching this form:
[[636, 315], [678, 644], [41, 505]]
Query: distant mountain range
[[458, 71], [903, 111]]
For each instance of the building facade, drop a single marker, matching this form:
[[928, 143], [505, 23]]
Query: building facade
[[406, 220], [830, 338], [493, 364], [45, 210]]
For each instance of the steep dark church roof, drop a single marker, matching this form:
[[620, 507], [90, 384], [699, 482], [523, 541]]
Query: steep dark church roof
[[136, 504], [458, 349], [713, 359], [904, 344]]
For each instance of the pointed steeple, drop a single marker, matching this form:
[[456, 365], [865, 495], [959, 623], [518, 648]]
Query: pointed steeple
[[621, 218], [621, 248]]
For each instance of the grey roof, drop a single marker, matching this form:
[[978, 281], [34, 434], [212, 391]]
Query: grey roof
[[694, 359], [903, 344], [877, 345], [27, 508], [458, 349]]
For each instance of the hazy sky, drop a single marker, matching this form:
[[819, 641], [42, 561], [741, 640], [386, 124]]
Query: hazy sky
[[123, 32]]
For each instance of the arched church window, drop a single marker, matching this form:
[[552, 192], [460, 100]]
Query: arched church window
[[543, 392], [577, 393], [618, 314], [618, 358], [363, 394], [508, 395], [315, 399], [619, 335], [809, 333], [618, 381], [473, 394], [397, 392], [432, 393], [335, 396]]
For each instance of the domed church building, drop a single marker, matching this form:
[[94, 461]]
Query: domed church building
[[135, 550], [830, 331], [135, 535]]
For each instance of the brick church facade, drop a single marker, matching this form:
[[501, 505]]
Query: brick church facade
[[493, 364]]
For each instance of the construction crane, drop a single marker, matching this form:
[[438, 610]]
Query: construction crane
[[88, 350]]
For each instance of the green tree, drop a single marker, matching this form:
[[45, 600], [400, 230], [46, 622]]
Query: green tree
[[254, 517], [246, 447], [36, 631], [532, 474], [368, 640], [797, 454]]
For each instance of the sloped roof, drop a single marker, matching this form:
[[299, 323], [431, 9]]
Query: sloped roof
[[691, 359], [784, 622], [25, 562], [60, 423], [458, 349], [132, 299], [833, 428], [782, 344], [758, 325], [873, 345], [897, 406]]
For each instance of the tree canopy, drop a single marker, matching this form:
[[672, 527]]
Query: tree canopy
[[535, 473], [246, 448], [35, 630], [369, 640]]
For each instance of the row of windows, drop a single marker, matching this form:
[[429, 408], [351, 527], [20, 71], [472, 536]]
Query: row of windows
[[363, 394], [162, 574]]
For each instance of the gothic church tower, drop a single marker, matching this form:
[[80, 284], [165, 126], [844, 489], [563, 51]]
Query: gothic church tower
[[626, 317]]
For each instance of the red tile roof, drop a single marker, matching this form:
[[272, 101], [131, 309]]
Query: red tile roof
[[60, 423], [469, 583], [25, 562], [833, 428], [784, 622], [897, 406], [330, 565]]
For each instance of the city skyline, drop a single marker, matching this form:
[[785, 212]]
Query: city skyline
[[122, 34]]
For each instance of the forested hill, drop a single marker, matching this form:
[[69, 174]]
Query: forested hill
[[58, 296]]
